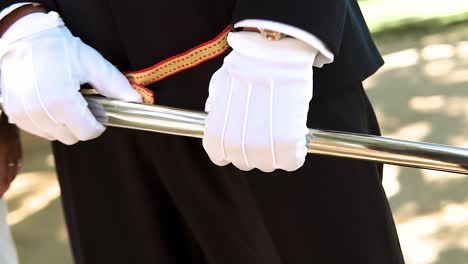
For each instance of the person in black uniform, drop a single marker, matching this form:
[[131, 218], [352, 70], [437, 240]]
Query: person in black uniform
[[139, 197]]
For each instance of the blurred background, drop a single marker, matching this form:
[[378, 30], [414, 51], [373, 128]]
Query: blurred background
[[420, 94]]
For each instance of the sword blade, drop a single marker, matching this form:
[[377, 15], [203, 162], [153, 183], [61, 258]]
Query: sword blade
[[188, 123], [339, 144]]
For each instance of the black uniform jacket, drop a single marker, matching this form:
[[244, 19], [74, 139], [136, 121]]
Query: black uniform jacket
[[136, 34]]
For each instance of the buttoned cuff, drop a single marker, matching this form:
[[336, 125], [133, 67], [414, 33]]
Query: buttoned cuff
[[325, 56]]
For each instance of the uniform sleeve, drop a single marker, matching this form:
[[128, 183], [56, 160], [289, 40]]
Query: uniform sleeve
[[322, 18], [50, 4]]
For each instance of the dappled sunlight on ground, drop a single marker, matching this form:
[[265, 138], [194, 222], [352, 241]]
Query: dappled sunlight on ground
[[422, 94], [35, 213], [30, 193], [426, 237], [390, 181]]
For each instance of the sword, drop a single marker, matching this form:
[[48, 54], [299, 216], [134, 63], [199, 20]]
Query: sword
[[340, 144], [189, 123]]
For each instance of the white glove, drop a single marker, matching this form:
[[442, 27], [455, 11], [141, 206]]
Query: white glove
[[258, 104], [42, 67]]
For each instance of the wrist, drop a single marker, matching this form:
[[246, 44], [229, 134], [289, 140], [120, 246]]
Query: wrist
[[324, 56], [7, 130], [288, 51], [266, 33], [17, 14]]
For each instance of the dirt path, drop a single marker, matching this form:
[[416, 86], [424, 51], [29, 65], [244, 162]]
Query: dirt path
[[422, 94], [35, 208]]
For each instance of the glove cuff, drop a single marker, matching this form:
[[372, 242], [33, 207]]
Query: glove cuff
[[28, 26]]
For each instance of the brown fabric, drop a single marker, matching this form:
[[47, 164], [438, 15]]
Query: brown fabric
[[10, 153], [18, 13]]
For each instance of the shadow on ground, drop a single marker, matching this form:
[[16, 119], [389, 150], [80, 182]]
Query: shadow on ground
[[422, 94]]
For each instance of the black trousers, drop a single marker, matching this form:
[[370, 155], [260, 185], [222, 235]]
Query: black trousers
[[139, 197]]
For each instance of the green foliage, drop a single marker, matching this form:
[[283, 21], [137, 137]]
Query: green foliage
[[394, 15]]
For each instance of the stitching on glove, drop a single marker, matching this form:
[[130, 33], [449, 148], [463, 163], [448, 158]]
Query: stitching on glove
[[38, 94], [6, 48], [272, 142], [244, 128], [228, 107]]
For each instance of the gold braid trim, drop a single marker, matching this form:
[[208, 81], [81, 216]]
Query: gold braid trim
[[181, 62]]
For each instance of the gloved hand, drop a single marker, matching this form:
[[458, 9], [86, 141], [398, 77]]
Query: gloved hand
[[42, 67], [258, 104]]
